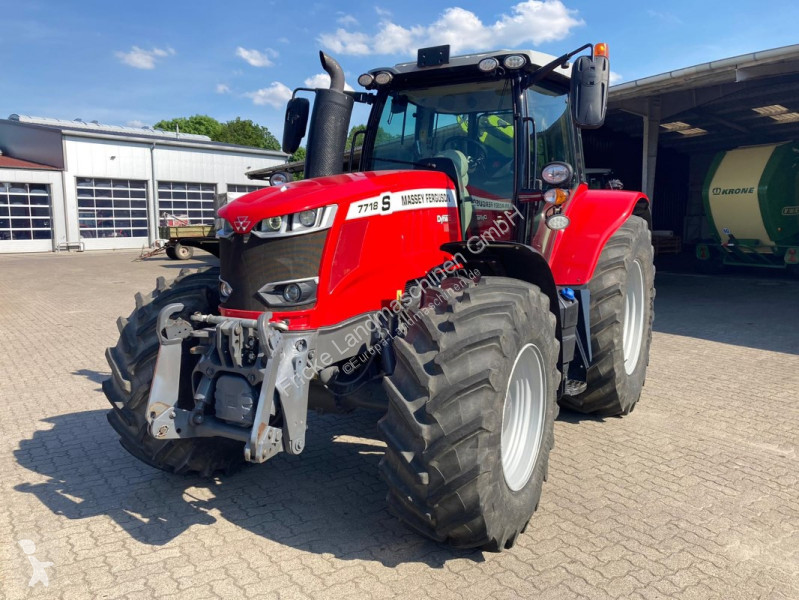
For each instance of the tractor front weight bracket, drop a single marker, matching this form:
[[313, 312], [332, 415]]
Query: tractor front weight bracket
[[277, 370]]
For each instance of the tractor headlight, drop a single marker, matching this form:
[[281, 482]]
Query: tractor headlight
[[383, 78], [557, 173], [514, 61], [305, 221], [557, 222], [292, 293], [488, 64], [273, 223], [279, 178], [307, 218], [283, 294]]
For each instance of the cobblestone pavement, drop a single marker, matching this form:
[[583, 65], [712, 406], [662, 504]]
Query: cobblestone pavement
[[694, 495]]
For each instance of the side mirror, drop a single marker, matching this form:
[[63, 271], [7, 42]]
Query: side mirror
[[589, 91], [295, 124]]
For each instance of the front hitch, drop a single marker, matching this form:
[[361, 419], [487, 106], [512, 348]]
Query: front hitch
[[272, 360]]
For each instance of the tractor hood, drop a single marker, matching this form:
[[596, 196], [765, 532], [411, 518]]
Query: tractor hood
[[246, 212]]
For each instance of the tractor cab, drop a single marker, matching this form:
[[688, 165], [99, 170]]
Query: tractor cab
[[492, 121]]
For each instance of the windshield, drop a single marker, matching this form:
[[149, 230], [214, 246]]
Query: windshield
[[550, 110], [470, 123]]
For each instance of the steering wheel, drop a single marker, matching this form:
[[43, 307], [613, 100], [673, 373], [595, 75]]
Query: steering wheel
[[474, 151]]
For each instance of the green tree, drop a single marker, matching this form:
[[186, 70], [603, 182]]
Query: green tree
[[198, 124], [298, 155], [351, 135], [246, 133], [237, 131]]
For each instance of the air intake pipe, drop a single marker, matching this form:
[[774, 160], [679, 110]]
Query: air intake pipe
[[329, 124]]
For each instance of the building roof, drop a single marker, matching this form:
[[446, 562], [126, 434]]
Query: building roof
[[727, 70], [6, 162], [94, 129], [742, 100]]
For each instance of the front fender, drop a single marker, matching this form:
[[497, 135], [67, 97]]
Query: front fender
[[595, 216]]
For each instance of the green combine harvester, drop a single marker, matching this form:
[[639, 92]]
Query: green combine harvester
[[751, 198]]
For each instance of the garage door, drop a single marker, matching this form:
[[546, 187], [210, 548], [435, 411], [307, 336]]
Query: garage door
[[187, 201], [112, 213], [25, 217]]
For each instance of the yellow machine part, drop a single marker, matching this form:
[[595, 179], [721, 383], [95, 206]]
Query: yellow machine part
[[733, 194]]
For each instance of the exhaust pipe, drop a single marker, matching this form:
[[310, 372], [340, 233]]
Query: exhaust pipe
[[330, 122]]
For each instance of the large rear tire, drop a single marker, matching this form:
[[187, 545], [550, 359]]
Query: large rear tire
[[132, 363], [622, 310], [472, 404]]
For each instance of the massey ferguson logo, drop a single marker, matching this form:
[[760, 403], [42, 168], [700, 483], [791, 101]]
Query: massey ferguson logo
[[717, 191], [241, 224]]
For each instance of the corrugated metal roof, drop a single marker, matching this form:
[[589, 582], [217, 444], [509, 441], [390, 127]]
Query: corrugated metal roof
[[81, 128], [718, 71], [102, 127]]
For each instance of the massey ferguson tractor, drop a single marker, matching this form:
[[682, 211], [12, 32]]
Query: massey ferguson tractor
[[462, 279]]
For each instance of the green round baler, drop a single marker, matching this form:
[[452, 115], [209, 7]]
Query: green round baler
[[751, 198]]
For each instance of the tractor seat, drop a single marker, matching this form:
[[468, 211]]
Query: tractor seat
[[461, 164]]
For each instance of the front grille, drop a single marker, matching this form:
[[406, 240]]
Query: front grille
[[247, 267]]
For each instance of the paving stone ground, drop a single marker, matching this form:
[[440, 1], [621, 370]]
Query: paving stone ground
[[694, 495]]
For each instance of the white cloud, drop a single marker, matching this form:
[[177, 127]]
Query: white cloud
[[257, 58], [344, 42], [277, 94], [136, 123], [222, 88], [347, 20], [143, 59], [615, 77], [322, 80], [530, 22], [666, 17], [383, 12]]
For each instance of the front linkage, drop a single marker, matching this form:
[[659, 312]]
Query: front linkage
[[236, 356]]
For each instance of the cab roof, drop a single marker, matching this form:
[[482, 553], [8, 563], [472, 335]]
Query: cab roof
[[535, 60]]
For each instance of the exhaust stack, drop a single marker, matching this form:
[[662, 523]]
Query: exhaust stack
[[330, 121]]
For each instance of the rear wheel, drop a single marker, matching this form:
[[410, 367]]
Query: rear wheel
[[472, 404], [132, 363], [622, 297]]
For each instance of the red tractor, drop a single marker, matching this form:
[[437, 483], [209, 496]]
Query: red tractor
[[463, 280]]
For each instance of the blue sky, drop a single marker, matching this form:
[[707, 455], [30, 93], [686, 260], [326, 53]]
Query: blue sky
[[136, 63]]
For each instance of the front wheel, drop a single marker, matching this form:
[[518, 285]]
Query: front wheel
[[472, 404], [132, 363], [622, 310]]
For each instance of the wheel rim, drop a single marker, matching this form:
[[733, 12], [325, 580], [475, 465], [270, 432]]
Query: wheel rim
[[523, 417], [634, 309]]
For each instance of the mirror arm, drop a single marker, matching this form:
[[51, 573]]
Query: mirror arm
[[538, 75]]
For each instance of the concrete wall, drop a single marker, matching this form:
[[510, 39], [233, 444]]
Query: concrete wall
[[85, 157]]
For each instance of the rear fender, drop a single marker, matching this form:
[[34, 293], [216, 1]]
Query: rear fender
[[509, 259], [595, 216]]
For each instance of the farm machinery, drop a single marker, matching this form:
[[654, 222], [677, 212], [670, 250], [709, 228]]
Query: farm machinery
[[463, 280], [751, 199]]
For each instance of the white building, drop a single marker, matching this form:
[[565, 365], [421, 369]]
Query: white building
[[71, 184]]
